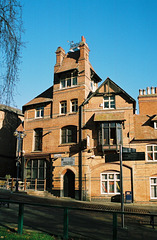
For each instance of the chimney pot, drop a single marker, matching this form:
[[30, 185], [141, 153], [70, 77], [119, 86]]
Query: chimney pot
[[148, 90], [83, 39], [140, 91], [144, 92], [152, 90]]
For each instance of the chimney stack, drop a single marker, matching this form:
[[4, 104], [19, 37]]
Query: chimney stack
[[84, 49], [147, 100], [60, 53]]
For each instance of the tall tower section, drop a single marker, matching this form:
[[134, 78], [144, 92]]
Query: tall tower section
[[74, 77]]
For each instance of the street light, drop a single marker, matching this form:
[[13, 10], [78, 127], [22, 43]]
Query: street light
[[121, 181], [19, 134]]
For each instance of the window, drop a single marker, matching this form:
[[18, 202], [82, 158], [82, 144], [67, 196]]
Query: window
[[39, 113], [38, 134], [109, 102], [93, 86], [153, 187], [69, 134], [74, 105], [63, 107], [110, 183], [110, 133], [68, 80], [36, 169], [155, 125], [151, 152]]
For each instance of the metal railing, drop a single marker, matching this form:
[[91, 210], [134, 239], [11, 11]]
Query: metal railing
[[66, 216], [34, 184]]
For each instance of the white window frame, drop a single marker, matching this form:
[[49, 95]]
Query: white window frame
[[73, 104], [155, 125], [109, 100], [39, 110], [63, 107], [93, 86], [151, 185], [152, 151], [66, 79], [115, 180]]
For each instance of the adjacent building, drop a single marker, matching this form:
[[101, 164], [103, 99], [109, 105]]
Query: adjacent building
[[75, 130], [10, 119]]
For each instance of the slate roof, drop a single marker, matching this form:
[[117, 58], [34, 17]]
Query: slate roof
[[70, 61], [144, 128], [46, 96]]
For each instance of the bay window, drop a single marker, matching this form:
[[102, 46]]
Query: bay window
[[110, 133]]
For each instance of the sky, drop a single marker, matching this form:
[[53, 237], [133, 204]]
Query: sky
[[121, 35]]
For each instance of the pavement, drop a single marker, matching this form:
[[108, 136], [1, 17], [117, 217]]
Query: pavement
[[86, 225], [49, 199]]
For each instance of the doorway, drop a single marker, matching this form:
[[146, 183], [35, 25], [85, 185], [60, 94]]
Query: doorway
[[69, 184]]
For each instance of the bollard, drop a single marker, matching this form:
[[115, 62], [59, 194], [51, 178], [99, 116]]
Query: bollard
[[20, 218], [152, 221], [66, 221], [114, 226]]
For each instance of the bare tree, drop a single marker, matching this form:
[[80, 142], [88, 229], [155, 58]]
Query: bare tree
[[10, 47]]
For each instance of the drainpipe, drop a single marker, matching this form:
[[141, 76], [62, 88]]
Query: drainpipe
[[80, 152]]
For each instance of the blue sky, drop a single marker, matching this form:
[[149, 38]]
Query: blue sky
[[121, 35]]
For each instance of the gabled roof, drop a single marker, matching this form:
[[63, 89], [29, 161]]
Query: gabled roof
[[117, 90], [44, 97]]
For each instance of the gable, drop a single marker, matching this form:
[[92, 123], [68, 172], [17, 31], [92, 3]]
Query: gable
[[107, 88]]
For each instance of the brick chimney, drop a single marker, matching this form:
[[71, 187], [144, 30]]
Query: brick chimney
[[84, 49], [60, 53], [147, 100]]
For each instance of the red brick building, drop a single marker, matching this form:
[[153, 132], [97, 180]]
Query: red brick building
[[74, 130]]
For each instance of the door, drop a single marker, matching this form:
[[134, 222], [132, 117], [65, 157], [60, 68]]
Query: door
[[69, 184]]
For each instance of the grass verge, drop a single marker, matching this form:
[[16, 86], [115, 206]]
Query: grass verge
[[11, 234]]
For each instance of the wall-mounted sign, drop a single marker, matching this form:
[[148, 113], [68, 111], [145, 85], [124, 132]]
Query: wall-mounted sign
[[68, 161], [57, 155]]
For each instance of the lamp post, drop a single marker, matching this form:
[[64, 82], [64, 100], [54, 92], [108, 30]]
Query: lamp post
[[121, 181], [19, 135]]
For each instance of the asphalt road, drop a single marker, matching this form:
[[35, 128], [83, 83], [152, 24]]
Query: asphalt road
[[83, 224]]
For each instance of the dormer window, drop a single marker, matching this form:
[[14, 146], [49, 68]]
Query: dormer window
[[155, 125], [109, 102], [68, 80], [39, 113]]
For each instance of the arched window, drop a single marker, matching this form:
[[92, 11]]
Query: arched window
[[38, 135], [69, 134], [110, 183]]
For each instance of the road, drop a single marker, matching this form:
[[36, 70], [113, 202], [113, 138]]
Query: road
[[83, 224]]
